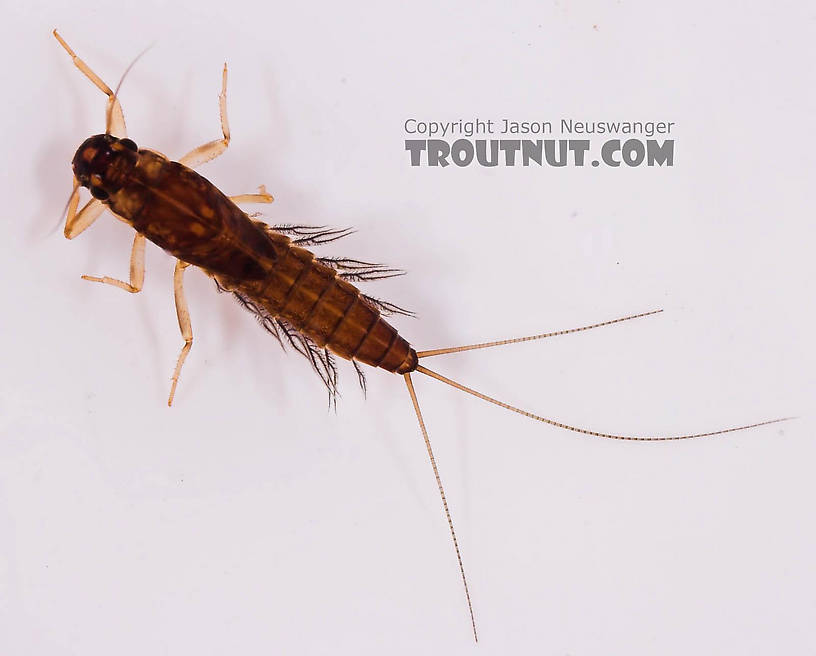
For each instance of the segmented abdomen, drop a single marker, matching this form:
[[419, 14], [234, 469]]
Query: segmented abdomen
[[189, 217], [329, 310]]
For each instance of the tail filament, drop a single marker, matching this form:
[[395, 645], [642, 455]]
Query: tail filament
[[471, 347], [558, 424], [411, 391], [551, 422]]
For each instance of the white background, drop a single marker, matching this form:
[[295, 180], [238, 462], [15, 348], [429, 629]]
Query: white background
[[247, 518]]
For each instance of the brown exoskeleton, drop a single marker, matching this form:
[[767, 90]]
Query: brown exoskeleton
[[308, 301]]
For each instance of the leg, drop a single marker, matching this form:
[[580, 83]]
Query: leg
[[137, 269], [212, 149], [77, 222], [115, 119], [184, 324], [261, 197]]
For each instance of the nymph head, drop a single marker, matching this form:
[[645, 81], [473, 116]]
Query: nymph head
[[101, 163]]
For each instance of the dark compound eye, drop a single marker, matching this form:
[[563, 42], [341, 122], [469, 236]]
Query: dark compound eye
[[129, 144], [98, 192]]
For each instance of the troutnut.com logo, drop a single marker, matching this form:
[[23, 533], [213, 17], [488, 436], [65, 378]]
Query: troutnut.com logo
[[611, 143]]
